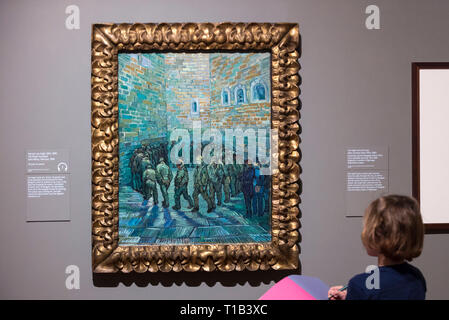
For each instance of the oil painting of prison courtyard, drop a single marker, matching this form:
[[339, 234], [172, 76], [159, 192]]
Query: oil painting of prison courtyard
[[194, 139]]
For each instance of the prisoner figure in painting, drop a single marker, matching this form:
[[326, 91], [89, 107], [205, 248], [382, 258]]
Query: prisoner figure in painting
[[150, 178], [200, 185], [165, 179], [215, 172], [181, 184]]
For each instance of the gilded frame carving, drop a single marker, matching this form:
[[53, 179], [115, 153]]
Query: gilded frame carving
[[282, 40]]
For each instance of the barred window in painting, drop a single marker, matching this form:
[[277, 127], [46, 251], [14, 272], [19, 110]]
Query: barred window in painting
[[239, 93], [240, 96], [195, 108], [225, 97], [259, 91]]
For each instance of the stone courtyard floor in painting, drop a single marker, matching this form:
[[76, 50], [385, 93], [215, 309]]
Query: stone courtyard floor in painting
[[141, 222]]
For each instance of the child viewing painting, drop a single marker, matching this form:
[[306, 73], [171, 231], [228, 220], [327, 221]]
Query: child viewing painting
[[393, 232]]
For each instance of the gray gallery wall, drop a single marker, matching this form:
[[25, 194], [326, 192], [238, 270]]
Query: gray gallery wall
[[356, 91]]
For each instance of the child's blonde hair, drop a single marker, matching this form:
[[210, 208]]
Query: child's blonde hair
[[393, 227]]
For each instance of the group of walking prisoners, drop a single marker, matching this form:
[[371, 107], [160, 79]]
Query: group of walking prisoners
[[210, 181]]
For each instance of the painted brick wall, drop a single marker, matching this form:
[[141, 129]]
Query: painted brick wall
[[142, 105], [187, 80], [230, 70]]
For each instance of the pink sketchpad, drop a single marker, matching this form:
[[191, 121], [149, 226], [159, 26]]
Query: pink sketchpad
[[286, 289]]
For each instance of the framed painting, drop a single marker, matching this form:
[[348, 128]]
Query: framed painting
[[195, 147], [430, 100]]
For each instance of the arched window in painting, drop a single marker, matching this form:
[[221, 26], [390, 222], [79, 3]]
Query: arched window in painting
[[259, 91], [240, 96], [225, 97], [194, 107]]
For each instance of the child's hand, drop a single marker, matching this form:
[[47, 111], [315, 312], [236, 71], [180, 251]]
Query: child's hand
[[334, 294]]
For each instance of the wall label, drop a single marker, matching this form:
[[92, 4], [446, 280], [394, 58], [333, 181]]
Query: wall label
[[366, 177], [48, 184]]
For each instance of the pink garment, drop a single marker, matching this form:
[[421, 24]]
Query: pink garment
[[287, 289]]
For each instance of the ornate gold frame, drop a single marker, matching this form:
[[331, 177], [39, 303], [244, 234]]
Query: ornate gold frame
[[283, 41]]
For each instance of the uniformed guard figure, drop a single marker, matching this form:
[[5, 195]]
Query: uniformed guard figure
[[165, 178], [215, 171], [181, 185], [200, 184], [248, 176], [150, 178], [259, 191]]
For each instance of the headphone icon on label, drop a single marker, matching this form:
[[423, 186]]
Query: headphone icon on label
[[62, 167]]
